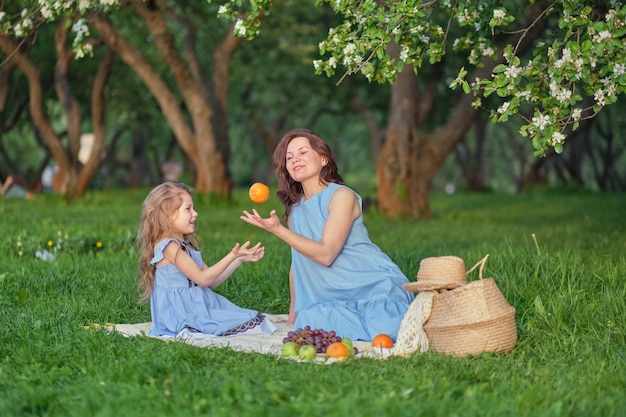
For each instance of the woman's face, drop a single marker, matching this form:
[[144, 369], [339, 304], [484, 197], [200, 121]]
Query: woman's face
[[302, 161]]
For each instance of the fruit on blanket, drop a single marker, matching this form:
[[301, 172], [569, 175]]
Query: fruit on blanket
[[307, 352], [337, 350], [259, 192], [318, 338], [289, 349], [348, 343], [382, 340]]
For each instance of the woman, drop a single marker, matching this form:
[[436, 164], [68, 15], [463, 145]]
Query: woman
[[339, 279]]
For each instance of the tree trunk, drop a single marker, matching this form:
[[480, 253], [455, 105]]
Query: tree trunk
[[70, 179], [202, 137], [67, 176], [408, 161], [36, 103], [97, 122], [399, 185]]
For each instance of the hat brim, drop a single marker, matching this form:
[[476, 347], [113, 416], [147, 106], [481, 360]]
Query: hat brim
[[433, 285]]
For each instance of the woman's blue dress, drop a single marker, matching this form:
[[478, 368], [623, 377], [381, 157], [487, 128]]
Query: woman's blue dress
[[178, 304], [361, 294]]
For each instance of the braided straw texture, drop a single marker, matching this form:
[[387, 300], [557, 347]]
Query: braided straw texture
[[472, 319]]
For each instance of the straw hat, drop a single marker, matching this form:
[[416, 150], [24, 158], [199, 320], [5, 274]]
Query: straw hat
[[441, 272]]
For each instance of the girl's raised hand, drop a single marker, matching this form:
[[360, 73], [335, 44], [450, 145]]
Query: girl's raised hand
[[246, 254]]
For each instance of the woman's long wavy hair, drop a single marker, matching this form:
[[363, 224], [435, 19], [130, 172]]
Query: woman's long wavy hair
[[156, 224], [290, 191]]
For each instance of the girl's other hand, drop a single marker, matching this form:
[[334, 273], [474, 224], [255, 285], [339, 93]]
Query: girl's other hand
[[246, 254]]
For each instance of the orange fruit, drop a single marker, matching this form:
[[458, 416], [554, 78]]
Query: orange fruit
[[259, 192], [382, 340], [337, 350]]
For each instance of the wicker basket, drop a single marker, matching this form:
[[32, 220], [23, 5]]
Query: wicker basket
[[472, 319]]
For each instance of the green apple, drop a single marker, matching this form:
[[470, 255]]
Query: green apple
[[307, 352], [289, 349], [348, 343]]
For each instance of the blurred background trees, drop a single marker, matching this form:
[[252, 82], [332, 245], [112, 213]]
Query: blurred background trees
[[171, 81]]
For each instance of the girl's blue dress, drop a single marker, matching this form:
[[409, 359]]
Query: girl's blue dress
[[361, 294], [178, 304]]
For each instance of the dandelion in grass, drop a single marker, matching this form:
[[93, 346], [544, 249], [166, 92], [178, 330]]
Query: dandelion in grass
[[99, 245]]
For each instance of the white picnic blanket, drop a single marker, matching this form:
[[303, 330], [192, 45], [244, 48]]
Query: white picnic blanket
[[265, 344]]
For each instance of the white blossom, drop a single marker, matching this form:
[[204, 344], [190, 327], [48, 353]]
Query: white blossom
[[576, 114], [598, 96], [567, 55], [404, 53], [349, 49], [512, 71], [19, 30], [541, 121], [504, 107], [618, 70], [240, 29], [561, 94], [499, 14], [557, 137], [81, 29], [605, 35], [46, 12]]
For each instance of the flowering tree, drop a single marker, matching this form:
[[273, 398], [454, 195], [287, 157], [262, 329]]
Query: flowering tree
[[541, 62], [582, 52], [193, 103]]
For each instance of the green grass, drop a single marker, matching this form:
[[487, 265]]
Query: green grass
[[558, 257]]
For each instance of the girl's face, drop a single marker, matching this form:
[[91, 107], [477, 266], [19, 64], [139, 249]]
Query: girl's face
[[184, 220], [302, 161]]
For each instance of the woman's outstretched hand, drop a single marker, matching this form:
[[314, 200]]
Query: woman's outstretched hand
[[271, 223], [247, 254]]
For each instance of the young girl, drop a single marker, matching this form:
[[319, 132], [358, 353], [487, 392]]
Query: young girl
[[339, 279], [176, 280]]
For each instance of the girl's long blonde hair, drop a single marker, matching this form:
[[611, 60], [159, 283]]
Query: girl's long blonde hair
[[155, 225]]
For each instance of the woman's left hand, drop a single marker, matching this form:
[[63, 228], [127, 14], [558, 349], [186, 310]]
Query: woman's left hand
[[271, 223]]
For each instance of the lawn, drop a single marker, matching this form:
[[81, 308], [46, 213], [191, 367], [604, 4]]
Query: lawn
[[559, 258]]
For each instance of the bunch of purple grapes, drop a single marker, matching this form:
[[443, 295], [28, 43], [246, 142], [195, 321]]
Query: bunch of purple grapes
[[320, 339]]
